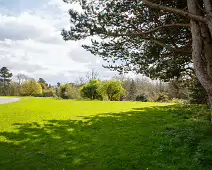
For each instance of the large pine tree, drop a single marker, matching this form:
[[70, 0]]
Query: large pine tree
[[5, 79], [163, 39]]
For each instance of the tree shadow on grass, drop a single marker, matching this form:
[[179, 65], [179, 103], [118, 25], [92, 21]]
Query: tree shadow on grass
[[127, 140]]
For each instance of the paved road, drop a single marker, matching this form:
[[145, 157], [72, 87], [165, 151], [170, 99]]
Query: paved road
[[8, 100]]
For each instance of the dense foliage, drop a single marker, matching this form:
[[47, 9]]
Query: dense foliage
[[31, 88], [149, 37], [122, 28], [139, 88], [5, 79], [50, 92], [68, 91], [113, 90], [90, 90], [197, 94]]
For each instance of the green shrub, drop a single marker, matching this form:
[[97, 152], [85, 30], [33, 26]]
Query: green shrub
[[68, 91], [31, 88], [90, 90], [161, 97], [49, 93], [112, 90]]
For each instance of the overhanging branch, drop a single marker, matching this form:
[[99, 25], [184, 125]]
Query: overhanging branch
[[165, 26], [174, 10], [150, 39]]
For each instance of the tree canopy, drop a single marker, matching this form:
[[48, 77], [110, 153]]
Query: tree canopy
[[90, 90], [68, 91], [112, 89], [5, 75], [161, 39], [134, 37], [31, 88], [5, 78], [43, 83]]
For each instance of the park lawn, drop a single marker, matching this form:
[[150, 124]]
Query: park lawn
[[38, 133]]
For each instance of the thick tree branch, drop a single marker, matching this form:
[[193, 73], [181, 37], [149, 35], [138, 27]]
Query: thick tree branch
[[151, 39], [164, 26], [208, 8], [169, 48], [174, 10], [139, 32]]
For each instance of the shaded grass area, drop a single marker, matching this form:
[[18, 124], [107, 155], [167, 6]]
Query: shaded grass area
[[125, 136]]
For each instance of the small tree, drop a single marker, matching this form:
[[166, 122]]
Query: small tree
[[31, 88], [90, 90], [5, 79], [68, 91], [63, 91], [113, 90]]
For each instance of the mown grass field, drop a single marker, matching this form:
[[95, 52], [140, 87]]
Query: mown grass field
[[63, 134]]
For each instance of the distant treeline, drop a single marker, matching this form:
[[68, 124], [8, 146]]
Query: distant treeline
[[118, 88]]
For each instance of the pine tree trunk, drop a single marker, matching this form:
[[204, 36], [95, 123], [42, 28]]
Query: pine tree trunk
[[201, 48]]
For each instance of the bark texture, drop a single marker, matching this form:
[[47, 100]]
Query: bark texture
[[202, 45]]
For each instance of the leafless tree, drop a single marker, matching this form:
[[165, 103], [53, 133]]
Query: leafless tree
[[22, 78], [93, 75]]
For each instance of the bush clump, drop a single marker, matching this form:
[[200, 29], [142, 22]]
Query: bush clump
[[161, 97], [49, 93], [68, 91]]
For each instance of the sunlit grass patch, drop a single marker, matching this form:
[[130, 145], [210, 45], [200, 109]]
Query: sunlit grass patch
[[64, 134]]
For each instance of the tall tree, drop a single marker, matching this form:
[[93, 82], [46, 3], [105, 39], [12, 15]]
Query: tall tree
[[58, 84], [162, 39], [22, 78], [93, 75], [132, 90], [43, 83], [5, 78]]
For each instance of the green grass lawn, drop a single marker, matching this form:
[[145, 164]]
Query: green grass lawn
[[63, 134]]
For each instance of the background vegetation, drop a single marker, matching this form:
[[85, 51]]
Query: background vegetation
[[91, 87]]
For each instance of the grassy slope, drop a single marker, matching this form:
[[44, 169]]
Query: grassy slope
[[57, 134]]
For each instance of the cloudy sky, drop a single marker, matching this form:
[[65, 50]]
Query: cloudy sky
[[30, 42]]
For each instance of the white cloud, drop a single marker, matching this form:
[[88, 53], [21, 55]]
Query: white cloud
[[23, 26], [65, 6], [30, 43]]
